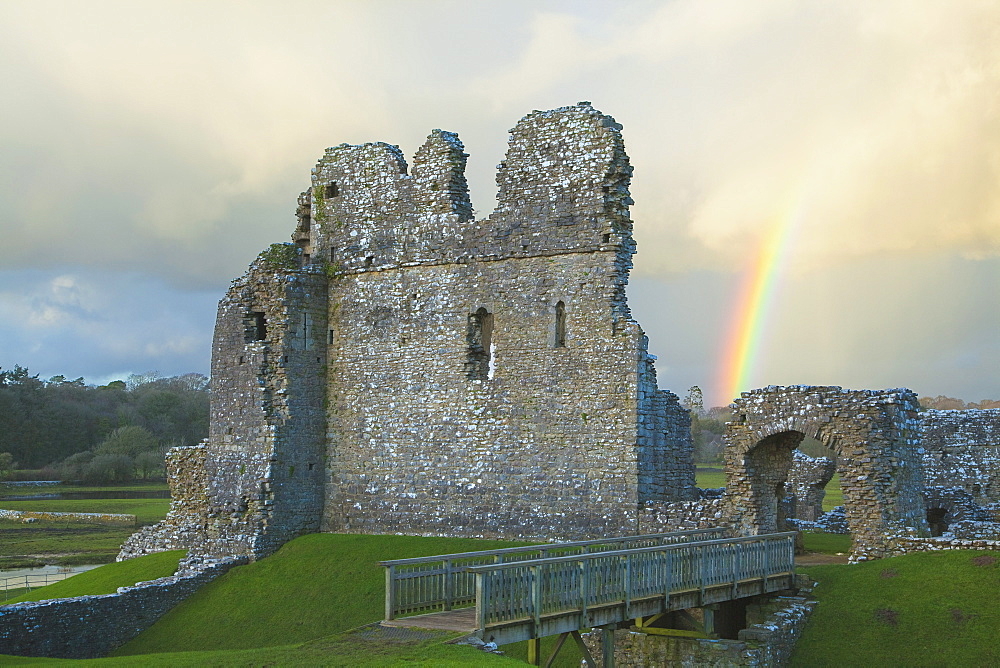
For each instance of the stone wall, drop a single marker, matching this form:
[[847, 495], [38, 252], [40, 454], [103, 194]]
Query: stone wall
[[773, 625], [184, 527], [554, 427], [962, 449], [875, 435], [92, 626], [806, 484]]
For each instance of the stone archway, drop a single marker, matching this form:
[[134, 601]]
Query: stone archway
[[875, 435]]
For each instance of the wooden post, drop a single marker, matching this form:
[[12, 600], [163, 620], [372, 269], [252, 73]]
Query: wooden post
[[709, 616], [481, 602], [536, 597], [584, 650], [390, 593], [628, 585], [449, 589], [608, 645], [535, 651]]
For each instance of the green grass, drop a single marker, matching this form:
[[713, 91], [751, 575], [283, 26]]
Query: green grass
[[826, 543], [313, 587], [709, 478], [107, 579], [343, 649], [65, 542], [834, 496], [923, 609]]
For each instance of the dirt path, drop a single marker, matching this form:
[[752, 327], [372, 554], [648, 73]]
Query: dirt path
[[818, 559]]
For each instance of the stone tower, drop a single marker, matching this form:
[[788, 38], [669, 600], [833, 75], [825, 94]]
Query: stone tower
[[405, 368]]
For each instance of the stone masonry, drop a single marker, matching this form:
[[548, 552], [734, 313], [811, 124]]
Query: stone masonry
[[806, 484], [962, 449], [875, 435], [404, 368]]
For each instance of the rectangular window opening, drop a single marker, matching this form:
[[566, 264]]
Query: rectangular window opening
[[259, 326]]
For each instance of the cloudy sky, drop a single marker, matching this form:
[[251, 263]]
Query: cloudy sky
[[149, 150]]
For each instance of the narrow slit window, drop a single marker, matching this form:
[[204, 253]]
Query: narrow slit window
[[480, 339], [560, 338]]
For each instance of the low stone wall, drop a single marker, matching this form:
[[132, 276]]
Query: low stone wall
[[907, 544], [184, 526], [84, 518], [92, 626], [774, 625]]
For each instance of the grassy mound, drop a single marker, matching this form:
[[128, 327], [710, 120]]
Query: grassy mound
[[107, 579], [924, 609], [313, 587]]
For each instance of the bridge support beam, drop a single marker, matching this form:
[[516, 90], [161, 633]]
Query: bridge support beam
[[608, 645], [535, 651]]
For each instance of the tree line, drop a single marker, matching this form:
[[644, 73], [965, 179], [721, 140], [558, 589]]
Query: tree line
[[102, 433]]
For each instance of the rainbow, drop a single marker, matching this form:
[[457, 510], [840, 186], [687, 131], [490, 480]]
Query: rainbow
[[756, 296]]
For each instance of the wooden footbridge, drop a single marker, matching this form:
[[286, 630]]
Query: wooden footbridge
[[526, 593]]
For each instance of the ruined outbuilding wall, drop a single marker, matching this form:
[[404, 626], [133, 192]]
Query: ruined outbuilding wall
[[962, 449], [875, 435]]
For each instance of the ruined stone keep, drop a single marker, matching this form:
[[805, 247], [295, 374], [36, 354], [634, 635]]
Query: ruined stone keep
[[406, 368]]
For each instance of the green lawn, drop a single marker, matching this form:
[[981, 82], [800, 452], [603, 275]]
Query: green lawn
[[107, 579], [298, 608], [826, 543], [923, 609], [313, 587], [313, 591], [347, 649]]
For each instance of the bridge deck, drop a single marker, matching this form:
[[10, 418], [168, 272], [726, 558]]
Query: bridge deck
[[448, 620], [532, 598]]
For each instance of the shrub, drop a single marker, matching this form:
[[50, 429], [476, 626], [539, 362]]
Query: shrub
[[105, 469]]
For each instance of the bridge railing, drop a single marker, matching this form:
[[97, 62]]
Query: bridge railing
[[530, 590], [21, 584], [442, 582]]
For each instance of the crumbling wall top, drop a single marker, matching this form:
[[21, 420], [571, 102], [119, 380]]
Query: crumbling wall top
[[563, 187]]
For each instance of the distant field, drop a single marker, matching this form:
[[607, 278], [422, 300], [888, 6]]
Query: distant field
[[67, 543]]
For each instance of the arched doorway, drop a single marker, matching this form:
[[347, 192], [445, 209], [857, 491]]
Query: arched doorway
[[875, 436]]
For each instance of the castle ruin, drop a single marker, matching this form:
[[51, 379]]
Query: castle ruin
[[405, 368]]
